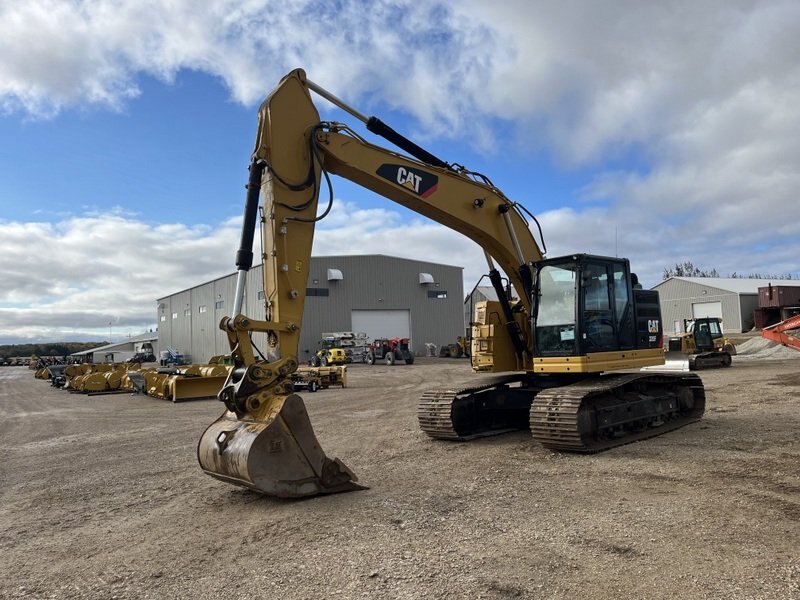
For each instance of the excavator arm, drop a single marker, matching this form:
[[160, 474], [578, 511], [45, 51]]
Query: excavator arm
[[264, 440]]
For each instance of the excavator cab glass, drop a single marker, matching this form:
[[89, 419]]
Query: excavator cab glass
[[705, 332], [584, 306], [555, 322]]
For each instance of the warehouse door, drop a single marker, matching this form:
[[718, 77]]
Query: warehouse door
[[707, 309], [382, 323]]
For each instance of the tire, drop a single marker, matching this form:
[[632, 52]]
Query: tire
[[370, 358], [312, 386], [324, 361], [315, 361], [390, 358], [726, 359], [410, 360]]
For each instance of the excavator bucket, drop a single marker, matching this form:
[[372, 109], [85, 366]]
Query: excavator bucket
[[278, 456]]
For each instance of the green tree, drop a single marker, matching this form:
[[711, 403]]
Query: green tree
[[687, 269]]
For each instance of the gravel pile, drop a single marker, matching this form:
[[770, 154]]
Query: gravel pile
[[759, 347]]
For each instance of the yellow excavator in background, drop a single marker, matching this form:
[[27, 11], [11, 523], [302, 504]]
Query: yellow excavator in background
[[578, 317]]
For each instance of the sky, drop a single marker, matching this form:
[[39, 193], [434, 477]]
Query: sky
[[663, 131]]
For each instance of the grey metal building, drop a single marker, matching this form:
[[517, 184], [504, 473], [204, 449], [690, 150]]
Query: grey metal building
[[119, 351], [481, 292], [381, 295], [731, 299]]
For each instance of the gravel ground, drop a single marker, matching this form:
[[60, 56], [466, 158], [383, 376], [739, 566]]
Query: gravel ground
[[102, 497]]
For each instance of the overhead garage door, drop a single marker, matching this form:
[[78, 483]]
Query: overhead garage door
[[382, 323], [707, 309]]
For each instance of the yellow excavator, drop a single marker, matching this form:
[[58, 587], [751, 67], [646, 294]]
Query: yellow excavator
[[578, 319]]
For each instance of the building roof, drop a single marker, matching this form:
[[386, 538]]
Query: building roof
[[737, 285], [149, 336], [488, 292]]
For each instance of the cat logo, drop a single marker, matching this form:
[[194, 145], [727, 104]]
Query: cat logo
[[420, 182], [652, 325]]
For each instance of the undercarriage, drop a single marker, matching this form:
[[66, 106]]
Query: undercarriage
[[587, 415]]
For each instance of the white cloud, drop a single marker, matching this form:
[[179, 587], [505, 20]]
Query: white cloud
[[82, 273], [350, 229]]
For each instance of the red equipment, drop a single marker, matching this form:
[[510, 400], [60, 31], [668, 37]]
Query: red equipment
[[778, 332], [390, 350]]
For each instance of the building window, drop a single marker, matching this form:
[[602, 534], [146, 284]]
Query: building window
[[202, 308], [174, 315], [219, 304], [438, 294], [260, 294], [316, 291], [187, 312], [163, 318]]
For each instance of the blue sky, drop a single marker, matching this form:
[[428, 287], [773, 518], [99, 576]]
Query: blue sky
[[655, 131]]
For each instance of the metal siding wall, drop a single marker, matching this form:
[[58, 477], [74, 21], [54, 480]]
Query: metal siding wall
[[370, 282], [224, 289], [203, 324], [677, 296], [181, 325], [165, 326], [377, 282]]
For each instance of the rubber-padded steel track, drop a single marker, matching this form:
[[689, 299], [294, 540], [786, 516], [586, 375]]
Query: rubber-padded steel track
[[710, 360], [591, 415], [452, 414], [585, 416], [434, 413]]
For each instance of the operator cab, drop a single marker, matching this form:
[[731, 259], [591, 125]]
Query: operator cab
[[586, 304], [706, 331]]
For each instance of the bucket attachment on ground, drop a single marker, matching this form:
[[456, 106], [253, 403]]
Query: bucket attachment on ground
[[278, 455]]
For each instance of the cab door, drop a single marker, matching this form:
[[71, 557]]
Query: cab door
[[598, 332]]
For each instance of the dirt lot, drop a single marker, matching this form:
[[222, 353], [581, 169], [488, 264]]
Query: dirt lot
[[102, 498]]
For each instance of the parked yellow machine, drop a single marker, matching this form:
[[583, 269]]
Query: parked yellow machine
[[315, 378], [702, 345], [329, 356], [99, 378], [457, 350], [179, 384], [88, 377], [577, 316]]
